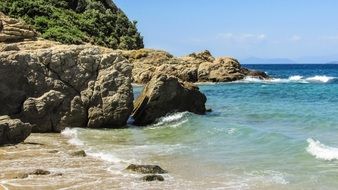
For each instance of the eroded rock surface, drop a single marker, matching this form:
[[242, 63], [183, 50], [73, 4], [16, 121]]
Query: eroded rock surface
[[13, 30], [53, 86], [196, 67], [13, 131], [164, 95]]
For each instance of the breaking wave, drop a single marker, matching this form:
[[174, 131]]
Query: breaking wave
[[293, 79], [174, 120], [321, 151]]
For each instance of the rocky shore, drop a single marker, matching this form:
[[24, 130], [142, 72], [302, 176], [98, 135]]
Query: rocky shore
[[46, 87]]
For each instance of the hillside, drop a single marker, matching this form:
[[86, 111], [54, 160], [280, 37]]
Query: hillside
[[99, 22]]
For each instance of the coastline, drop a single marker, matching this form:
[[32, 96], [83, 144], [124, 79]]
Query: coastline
[[53, 153]]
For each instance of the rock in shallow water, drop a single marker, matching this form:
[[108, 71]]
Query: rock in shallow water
[[164, 95], [153, 178], [13, 131], [146, 169], [80, 153]]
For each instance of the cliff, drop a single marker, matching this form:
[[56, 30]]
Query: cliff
[[99, 22]]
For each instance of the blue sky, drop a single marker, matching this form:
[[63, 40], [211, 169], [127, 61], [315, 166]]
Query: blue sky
[[304, 30]]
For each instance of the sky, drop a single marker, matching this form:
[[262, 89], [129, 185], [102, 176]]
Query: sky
[[302, 30]]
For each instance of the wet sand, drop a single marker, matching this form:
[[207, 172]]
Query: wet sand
[[53, 153]]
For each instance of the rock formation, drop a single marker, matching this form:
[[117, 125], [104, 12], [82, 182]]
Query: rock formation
[[196, 67], [166, 94], [13, 30], [13, 131], [53, 86]]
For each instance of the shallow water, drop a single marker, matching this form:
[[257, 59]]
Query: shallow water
[[276, 134]]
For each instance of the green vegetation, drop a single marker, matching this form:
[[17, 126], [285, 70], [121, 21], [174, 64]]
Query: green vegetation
[[77, 21]]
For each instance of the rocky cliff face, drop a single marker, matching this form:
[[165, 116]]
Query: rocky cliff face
[[196, 67], [12, 30], [54, 86]]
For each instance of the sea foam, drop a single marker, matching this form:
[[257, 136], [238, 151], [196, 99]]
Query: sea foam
[[72, 134], [175, 119], [292, 79], [321, 151]]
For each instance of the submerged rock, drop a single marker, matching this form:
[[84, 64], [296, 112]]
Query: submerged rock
[[153, 178], [39, 172], [80, 153], [146, 169], [164, 95], [13, 131]]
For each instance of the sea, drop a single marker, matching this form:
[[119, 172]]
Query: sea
[[280, 133]]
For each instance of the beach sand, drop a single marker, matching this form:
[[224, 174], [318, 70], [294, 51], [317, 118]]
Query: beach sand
[[51, 152]]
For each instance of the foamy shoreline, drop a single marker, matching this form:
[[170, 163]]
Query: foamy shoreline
[[52, 152]]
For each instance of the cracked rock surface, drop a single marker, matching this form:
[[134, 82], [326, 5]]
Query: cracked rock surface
[[53, 86]]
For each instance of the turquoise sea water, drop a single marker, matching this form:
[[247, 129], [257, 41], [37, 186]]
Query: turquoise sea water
[[276, 134]]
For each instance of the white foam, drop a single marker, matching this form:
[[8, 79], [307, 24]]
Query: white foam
[[318, 78], [295, 78], [172, 118], [291, 79], [105, 156], [72, 134], [321, 151]]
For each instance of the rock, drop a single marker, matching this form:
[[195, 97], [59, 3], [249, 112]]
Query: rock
[[39, 172], [221, 70], [53, 86], [80, 153], [196, 67], [53, 151], [164, 95], [13, 30], [13, 131], [153, 178], [146, 169], [21, 176], [258, 74]]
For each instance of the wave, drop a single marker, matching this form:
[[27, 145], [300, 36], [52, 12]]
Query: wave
[[175, 119], [72, 134], [321, 151], [292, 79]]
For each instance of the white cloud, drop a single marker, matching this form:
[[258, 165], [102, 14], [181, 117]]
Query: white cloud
[[295, 38], [242, 38]]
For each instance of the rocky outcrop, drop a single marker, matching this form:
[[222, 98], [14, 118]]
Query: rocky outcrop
[[13, 131], [196, 67], [164, 95], [13, 30], [54, 86]]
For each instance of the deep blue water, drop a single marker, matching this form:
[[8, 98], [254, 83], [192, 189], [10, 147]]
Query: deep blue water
[[276, 134]]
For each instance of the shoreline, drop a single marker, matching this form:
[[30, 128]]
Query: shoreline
[[52, 153]]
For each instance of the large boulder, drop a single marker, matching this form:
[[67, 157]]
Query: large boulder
[[12, 30], [164, 95], [221, 70], [53, 86], [13, 131]]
